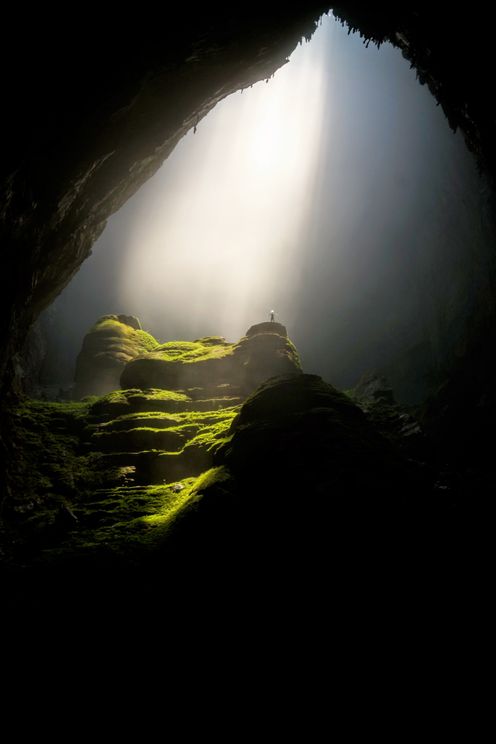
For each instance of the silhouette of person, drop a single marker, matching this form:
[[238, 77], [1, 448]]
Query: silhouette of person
[[272, 316]]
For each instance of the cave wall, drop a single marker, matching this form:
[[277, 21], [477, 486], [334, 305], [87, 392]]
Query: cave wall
[[452, 52]]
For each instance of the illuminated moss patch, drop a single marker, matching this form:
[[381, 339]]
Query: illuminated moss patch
[[126, 401], [188, 352], [211, 361], [122, 338]]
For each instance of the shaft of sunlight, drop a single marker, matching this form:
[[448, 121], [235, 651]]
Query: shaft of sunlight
[[220, 234]]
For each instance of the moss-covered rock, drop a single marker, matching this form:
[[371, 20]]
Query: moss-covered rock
[[264, 352], [304, 434], [189, 485], [112, 342], [312, 488]]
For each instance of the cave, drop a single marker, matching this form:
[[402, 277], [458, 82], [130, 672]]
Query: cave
[[84, 133]]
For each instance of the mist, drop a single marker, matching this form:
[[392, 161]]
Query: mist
[[334, 193]]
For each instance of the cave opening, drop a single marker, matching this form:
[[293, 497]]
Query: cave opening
[[337, 193], [381, 263]]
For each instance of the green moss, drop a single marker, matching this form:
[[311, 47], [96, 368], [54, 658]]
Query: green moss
[[161, 420], [171, 433], [171, 507], [134, 399], [50, 472], [72, 505], [215, 340], [115, 471], [293, 353], [111, 338], [187, 352], [146, 340], [137, 518], [211, 438]]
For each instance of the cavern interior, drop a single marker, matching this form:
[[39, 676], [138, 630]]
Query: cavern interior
[[248, 307]]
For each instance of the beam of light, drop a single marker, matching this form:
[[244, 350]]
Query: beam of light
[[215, 232], [335, 194]]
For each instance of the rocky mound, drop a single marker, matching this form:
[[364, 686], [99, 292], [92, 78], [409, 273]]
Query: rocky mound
[[112, 342], [264, 352], [304, 435], [267, 327], [303, 481]]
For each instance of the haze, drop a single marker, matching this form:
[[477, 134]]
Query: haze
[[335, 193]]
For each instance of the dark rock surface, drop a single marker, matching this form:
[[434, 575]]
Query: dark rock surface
[[374, 395], [306, 436], [112, 342]]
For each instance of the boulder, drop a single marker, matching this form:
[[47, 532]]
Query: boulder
[[298, 440], [130, 320], [109, 345]]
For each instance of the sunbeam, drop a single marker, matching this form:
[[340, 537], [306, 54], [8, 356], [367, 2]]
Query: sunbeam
[[218, 228]]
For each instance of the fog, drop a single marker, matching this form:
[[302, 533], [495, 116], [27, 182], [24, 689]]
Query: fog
[[334, 193]]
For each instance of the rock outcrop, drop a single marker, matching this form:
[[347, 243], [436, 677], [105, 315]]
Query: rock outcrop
[[112, 342], [267, 327], [264, 352], [306, 436]]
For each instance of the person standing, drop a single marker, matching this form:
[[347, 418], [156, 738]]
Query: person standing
[[272, 314]]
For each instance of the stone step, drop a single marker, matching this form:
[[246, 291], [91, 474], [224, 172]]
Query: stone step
[[138, 440], [113, 506], [123, 402], [158, 466]]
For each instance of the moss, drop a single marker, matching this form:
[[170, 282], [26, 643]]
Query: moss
[[187, 352], [137, 439], [165, 446], [50, 472], [212, 437], [134, 399], [172, 507], [74, 503], [125, 520], [111, 339], [214, 340], [107, 348], [187, 365], [157, 419], [293, 353], [113, 472]]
